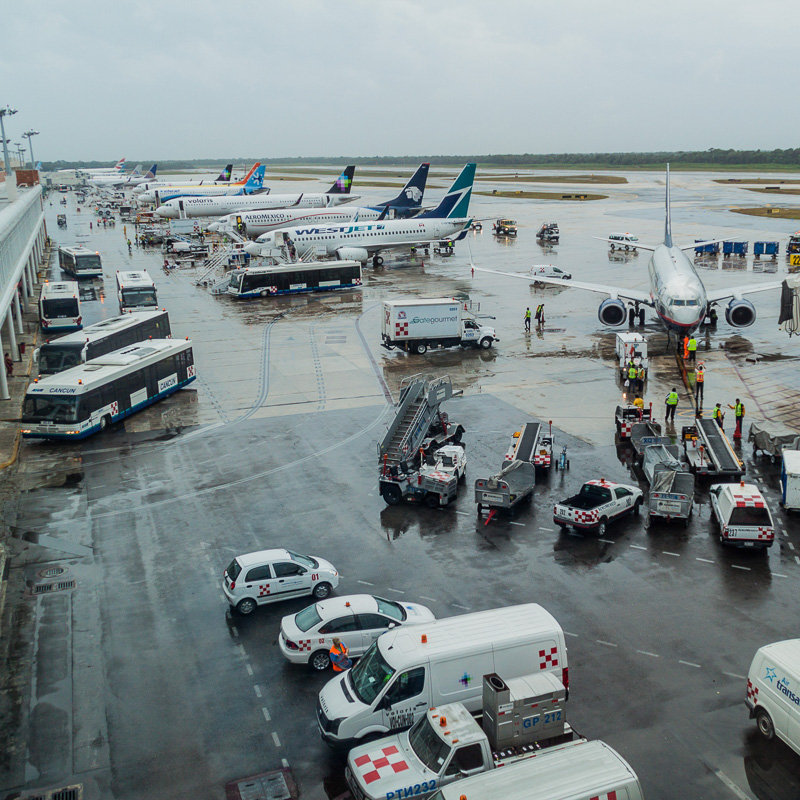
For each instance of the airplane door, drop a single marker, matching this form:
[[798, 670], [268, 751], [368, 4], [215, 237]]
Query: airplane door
[[181, 211]]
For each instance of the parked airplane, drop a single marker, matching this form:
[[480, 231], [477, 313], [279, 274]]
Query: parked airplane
[[358, 242], [124, 181], [255, 223], [677, 294], [215, 206], [118, 168], [252, 183], [223, 177]]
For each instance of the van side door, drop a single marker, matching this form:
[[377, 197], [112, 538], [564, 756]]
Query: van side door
[[405, 700]]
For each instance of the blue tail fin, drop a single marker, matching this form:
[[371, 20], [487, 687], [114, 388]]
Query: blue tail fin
[[256, 180], [668, 221], [225, 175], [411, 196], [455, 204], [343, 183], [151, 173], [38, 166]]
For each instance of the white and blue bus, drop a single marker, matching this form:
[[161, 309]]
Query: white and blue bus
[[85, 399], [101, 338], [80, 262], [136, 290], [60, 306], [314, 276]]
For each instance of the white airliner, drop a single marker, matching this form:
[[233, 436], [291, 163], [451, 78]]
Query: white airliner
[[252, 183], [676, 292], [215, 206], [117, 169], [124, 181], [357, 242], [253, 224], [223, 178]]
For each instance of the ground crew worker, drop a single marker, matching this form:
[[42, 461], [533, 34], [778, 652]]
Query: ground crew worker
[[692, 348], [719, 415], [632, 375], [338, 654], [528, 319], [672, 404], [638, 403], [640, 378], [738, 411], [685, 348], [699, 384], [540, 315]]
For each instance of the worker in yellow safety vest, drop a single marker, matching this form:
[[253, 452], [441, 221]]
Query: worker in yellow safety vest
[[699, 384], [691, 346], [719, 415], [632, 375], [338, 654], [738, 411], [672, 404]]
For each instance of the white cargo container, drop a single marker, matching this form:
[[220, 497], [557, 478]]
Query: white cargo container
[[790, 479], [415, 325]]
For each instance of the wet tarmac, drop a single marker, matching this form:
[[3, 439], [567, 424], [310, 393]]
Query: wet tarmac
[[135, 681]]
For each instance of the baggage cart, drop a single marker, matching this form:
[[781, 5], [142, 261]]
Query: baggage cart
[[505, 490], [766, 249], [625, 417], [772, 438], [735, 248], [711, 249], [671, 495], [646, 434], [661, 454]]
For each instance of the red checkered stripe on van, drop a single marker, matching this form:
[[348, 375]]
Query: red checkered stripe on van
[[586, 516], [263, 590], [752, 692], [625, 428], [548, 658], [401, 329], [356, 281], [749, 501], [190, 371], [303, 644], [607, 796], [386, 762]]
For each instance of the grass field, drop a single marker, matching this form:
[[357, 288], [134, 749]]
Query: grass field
[[769, 181], [554, 178], [770, 190], [545, 195], [769, 211]]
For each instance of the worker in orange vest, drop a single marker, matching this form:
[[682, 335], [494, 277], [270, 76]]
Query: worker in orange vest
[[338, 654], [685, 348]]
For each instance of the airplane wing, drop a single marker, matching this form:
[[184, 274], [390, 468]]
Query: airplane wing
[[637, 295], [703, 244], [737, 292], [633, 245]]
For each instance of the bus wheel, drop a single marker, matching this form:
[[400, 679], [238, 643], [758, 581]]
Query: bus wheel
[[105, 422]]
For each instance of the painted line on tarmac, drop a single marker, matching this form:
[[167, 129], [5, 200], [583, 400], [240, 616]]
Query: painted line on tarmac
[[464, 513], [430, 599], [730, 784], [517, 523], [365, 583], [797, 559], [285, 763], [791, 546], [607, 541], [638, 547], [257, 690], [249, 670], [736, 566], [549, 530], [689, 664], [667, 553], [646, 653], [463, 608], [705, 560], [275, 739], [235, 631], [265, 712], [779, 575], [734, 675], [396, 591], [607, 644], [567, 633]]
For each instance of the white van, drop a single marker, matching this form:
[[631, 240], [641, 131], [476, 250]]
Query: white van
[[406, 671], [587, 771], [623, 241], [773, 691]]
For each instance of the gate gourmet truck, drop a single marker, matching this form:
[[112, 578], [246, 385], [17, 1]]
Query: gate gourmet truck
[[415, 325]]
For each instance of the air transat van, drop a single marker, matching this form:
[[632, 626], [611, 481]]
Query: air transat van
[[407, 671], [773, 691]]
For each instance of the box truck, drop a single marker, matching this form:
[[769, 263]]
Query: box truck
[[415, 325]]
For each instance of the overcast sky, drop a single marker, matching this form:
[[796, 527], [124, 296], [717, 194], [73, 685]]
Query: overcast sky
[[266, 78]]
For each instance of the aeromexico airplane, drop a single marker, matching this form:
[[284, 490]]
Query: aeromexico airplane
[[215, 206], [254, 224], [677, 294], [358, 242]]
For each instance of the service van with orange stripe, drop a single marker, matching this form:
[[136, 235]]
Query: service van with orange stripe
[[743, 515]]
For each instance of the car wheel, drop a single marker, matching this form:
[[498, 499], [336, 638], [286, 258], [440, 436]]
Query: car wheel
[[321, 591], [319, 661], [486, 343], [421, 348], [601, 528], [765, 725], [637, 507], [480, 508], [246, 606]]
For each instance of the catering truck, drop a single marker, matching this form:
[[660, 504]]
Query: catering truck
[[415, 325]]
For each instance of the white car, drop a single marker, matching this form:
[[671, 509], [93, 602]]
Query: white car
[[268, 576], [549, 271], [358, 620]]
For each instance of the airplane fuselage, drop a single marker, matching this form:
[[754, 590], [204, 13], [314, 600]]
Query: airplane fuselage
[[263, 221], [215, 206], [678, 294]]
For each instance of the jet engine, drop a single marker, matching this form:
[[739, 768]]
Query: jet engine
[[353, 254], [612, 312], [740, 313]]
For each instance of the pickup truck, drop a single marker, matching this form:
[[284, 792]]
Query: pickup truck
[[742, 514], [443, 746], [596, 504]]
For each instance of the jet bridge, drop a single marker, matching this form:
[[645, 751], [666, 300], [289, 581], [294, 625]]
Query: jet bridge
[[709, 452]]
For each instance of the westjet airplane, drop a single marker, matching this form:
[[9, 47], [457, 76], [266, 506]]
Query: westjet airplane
[[676, 292], [252, 183], [357, 242], [215, 206], [253, 224]]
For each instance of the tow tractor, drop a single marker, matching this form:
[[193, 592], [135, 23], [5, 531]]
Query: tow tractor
[[505, 227], [793, 245], [532, 445], [420, 428], [62, 220], [548, 232], [709, 452], [626, 417]]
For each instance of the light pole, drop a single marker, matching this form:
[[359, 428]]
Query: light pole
[[20, 154], [29, 136], [11, 181]]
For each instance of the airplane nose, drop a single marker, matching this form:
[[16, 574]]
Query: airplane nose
[[163, 211], [214, 226], [254, 248]]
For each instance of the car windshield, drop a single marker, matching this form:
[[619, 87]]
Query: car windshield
[[427, 745], [50, 409], [307, 618], [370, 675], [233, 570], [390, 609], [306, 561]]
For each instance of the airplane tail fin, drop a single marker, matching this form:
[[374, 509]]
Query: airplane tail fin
[[137, 171], [247, 177], [120, 165], [455, 204], [668, 221], [411, 196], [256, 179], [38, 166], [384, 214], [343, 183], [225, 175], [151, 173]]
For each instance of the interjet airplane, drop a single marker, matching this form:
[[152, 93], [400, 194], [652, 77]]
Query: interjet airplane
[[358, 242], [676, 292], [253, 224], [252, 183], [215, 206]]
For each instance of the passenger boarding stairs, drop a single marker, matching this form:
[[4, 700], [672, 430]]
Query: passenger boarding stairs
[[417, 410]]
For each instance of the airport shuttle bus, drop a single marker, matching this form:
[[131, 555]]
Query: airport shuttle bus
[[90, 397], [60, 306], [101, 338], [136, 290], [80, 262], [315, 276]]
